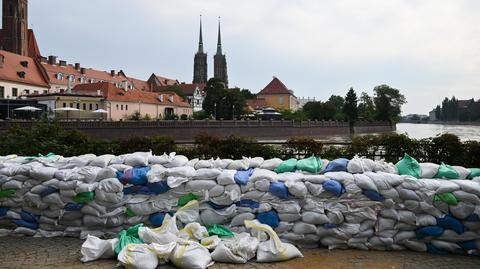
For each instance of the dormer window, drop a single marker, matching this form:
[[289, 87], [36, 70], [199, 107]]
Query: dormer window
[[59, 76], [170, 98], [71, 78], [24, 63], [21, 74]]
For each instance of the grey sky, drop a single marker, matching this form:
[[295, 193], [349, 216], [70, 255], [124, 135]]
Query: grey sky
[[427, 48]]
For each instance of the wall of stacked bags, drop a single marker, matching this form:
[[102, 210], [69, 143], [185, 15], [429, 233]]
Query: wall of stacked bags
[[358, 203]]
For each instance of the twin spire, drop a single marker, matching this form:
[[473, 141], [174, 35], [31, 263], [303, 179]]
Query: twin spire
[[219, 41]]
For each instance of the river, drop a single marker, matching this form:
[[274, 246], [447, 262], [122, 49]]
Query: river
[[418, 131]]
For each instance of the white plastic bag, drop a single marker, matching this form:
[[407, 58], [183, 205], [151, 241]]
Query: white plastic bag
[[95, 248], [239, 249], [143, 256], [190, 255]]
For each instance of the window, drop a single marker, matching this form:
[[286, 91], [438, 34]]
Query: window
[[90, 107], [121, 107], [96, 105], [60, 76], [45, 91], [26, 91], [14, 92], [2, 92], [64, 104], [78, 105], [35, 92], [117, 106], [84, 106], [71, 104], [126, 107], [280, 100]]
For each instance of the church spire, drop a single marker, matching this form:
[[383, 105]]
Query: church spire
[[219, 42], [200, 40]]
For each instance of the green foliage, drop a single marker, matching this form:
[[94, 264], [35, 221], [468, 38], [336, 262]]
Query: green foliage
[[303, 146], [366, 107], [200, 115], [350, 109], [451, 111], [223, 103], [136, 116], [298, 115], [320, 110], [388, 103]]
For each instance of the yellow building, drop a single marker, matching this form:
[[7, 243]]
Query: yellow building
[[86, 103], [278, 96]]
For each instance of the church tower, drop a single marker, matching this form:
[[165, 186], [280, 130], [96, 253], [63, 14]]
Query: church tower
[[15, 26], [220, 61], [200, 69]]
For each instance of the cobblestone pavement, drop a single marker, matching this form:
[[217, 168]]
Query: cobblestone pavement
[[27, 252]]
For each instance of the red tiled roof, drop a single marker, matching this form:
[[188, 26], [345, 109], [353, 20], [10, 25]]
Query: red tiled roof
[[166, 81], [257, 103], [12, 65], [275, 87], [189, 89], [139, 84], [112, 93]]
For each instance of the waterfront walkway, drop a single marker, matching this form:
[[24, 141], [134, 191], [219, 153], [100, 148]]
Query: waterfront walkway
[[27, 252]]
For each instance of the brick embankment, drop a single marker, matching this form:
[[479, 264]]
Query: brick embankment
[[26, 252]]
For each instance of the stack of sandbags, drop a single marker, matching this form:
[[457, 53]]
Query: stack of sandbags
[[312, 202]]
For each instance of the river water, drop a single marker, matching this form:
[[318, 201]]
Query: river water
[[418, 131]]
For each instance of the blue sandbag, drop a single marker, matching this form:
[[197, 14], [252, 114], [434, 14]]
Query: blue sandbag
[[247, 203], [434, 231], [158, 187], [3, 211], [73, 207], [473, 218], [330, 225], [48, 191], [138, 190], [27, 216], [449, 222], [26, 224], [157, 219], [373, 195], [337, 165], [243, 176], [279, 189], [434, 250], [217, 207], [269, 218], [334, 187], [134, 176], [468, 245]]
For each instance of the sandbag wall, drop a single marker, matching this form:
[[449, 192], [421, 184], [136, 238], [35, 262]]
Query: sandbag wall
[[358, 203]]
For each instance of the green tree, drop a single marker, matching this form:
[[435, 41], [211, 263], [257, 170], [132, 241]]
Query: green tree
[[350, 109], [388, 102], [247, 94], [366, 107], [298, 115], [320, 111], [223, 103], [215, 91], [337, 103]]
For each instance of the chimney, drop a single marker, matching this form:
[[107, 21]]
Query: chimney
[[62, 63], [52, 59], [82, 70], [77, 66], [112, 73]]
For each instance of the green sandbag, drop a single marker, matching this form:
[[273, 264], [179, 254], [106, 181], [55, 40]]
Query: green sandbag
[[84, 197], [219, 230], [287, 166], [130, 213], [474, 172], [129, 236], [7, 193], [409, 166], [183, 200], [312, 164], [446, 197], [446, 171]]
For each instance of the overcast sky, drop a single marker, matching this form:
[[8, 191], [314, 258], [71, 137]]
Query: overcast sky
[[428, 49]]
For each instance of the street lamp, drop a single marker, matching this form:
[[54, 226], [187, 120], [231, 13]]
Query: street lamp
[[215, 111], [8, 107], [233, 112]]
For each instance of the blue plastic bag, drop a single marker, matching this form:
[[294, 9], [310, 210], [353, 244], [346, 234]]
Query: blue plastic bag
[[434, 231], [434, 250], [269, 218], [27, 216], [215, 206], [134, 176], [26, 224], [330, 225], [449, 222], [468, 245], [73, 207], [337, 165], [243, 176], [473, 218], [3, 211], [373, 195], [279, 189], [334, 187], [248, 203], [157, 219], [48, 191], [158, 187]]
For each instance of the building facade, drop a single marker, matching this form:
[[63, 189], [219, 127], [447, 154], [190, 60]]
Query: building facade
[[15, 26], [86, 104], [278, 96], [220, 61]]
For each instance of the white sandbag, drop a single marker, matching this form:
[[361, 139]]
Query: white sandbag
[[190, 255], [315, 179], [382, 166], [469, 186], [463, 172], [110, 185], [189, 212], [205, 164], [462, 210], [297, 189], [193, 231], [211, 242], [143, 256], [242, 164], [206, 173], [262, 185], [104, 173], [221, 163], [448, 246], [226, 177], [101, 161], [177, 161], [272, 250], [364, 182], [314, 218], [137, 159], [256, 162], [183, 171], [200, 185], [156, 173], [209, 216], [429, 170], [271, 164], [304, 228], [467, 197], [239, 249], [231, 195], [192, 162], [87, 174], [216, 191], [425, 220], [360, 165], [260, 173], [43, 173], [95, 248], [12, 184], [239, 219], [415, 245]]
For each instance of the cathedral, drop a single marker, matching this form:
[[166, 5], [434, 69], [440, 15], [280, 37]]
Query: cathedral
[[200, 67]]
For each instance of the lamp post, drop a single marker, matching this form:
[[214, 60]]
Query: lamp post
[[215, 111], [233, 112], [8, 107]]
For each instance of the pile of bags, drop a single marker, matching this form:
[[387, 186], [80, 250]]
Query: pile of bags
[[358, 203]]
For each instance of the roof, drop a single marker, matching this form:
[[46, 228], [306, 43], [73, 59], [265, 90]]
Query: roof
[[189, 89], [275, 87], [33, 50], [139, 84], [12, 67], [112, 93], [73, 94], [257, 103], [159, 81]]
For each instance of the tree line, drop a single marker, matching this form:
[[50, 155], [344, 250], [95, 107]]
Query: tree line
[[456, 110]]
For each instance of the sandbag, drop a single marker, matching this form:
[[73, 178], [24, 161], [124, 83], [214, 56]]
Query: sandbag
[[446, 171], [311, 165], [239, 249], [190, 255], [409, 166], [337, 165], [95, 248]]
